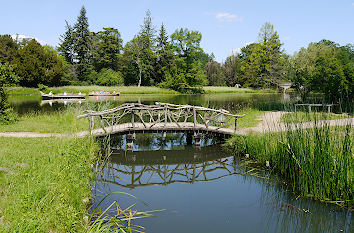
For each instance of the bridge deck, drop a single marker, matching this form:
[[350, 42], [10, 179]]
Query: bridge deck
[[159, 127]]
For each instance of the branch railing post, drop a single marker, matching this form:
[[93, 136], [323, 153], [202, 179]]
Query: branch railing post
[[133, 118], [165, 114], [89, 119], [235, 123], [194, 117]]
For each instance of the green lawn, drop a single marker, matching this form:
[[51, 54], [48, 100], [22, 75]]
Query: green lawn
[[45, 183], [251, 118], [52, 122]]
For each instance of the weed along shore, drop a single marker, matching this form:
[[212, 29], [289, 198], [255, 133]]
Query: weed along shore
[[315, 162]]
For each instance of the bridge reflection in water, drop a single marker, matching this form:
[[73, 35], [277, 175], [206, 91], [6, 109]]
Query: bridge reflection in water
[[145, 168]]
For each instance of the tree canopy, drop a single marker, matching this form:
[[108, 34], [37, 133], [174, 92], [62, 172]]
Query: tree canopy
[[177, 61]]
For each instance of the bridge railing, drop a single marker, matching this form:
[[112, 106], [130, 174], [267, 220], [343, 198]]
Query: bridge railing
[[141, 116]]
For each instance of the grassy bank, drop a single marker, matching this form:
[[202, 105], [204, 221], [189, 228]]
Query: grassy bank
[[52, 122], [88, 89], [316, 163], [43, 184], [214, 90], [129, 90]]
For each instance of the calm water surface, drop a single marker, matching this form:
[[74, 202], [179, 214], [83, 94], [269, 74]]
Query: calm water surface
[[200, 189], [206, 190]]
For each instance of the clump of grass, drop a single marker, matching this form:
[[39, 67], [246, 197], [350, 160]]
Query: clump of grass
[[47, 181], [316, 162]]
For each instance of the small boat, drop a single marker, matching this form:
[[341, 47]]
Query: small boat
[[103, 93], [51, 96]]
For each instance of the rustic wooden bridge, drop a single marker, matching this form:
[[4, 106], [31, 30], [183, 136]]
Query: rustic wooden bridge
[[131, 118]]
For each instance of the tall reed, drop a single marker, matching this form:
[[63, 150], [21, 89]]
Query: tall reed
[[317, 162]]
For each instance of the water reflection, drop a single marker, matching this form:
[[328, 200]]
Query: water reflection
[[167, 167], [64, 102], [160, 141], [232, 102], [207, 190]]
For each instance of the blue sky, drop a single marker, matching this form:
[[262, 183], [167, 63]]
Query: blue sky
[[226, 25]]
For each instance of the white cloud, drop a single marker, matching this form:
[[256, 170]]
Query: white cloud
[[21, 37], [238, 50], [224, 16]]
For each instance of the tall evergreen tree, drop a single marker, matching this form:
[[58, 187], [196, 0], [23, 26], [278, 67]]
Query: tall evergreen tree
[[107, 47], [82, 46], [67, 43], [164, 55], [8, 49], [148, 32], [272, 58]]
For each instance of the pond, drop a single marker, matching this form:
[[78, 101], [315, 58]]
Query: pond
[[205, 189], [265, 101], [200, 189]]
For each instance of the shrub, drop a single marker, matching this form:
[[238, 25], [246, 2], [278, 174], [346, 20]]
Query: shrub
[[109, 77]]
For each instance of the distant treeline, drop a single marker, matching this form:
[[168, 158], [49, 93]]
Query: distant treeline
[[176, 61]]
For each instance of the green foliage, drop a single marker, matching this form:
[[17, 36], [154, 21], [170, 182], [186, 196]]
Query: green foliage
[[263, 63], [232, 70], [8, 49], [7, 75], [7, 78], [188, 69], [82, 46], [165, 58], [324, 67], [180, 78], [107, 47], [67, 44], [215, 74], [109, 77], [42, 88], [39, 65]]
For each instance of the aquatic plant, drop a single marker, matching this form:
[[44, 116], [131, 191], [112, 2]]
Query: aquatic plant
[[317, 162]]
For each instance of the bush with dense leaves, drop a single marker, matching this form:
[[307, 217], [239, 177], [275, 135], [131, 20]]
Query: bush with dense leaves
[[109, 77]]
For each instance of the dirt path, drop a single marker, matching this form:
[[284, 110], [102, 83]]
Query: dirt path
[[32, 135], [270, 122]]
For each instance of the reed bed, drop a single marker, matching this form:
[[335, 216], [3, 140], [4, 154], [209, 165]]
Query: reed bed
[[315, 162]]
